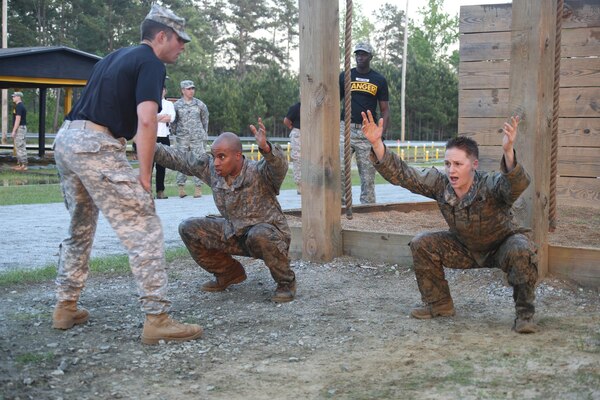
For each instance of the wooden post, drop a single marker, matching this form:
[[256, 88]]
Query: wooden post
[[531, 88], [320, 116]]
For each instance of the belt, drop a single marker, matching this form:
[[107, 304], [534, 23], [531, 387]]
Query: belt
[[84, 124]]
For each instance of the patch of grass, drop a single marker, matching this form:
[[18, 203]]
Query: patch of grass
[[13, 277], [34, 358], [109, 265], [462, 372], [40, 186]]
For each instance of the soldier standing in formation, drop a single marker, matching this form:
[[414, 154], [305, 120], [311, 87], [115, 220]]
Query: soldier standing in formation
[[251, 224], [121, 100], [19, 132], [191, 130], [369, 89], [478, 209]]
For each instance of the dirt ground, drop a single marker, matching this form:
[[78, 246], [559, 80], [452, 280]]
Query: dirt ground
[[346, 336]]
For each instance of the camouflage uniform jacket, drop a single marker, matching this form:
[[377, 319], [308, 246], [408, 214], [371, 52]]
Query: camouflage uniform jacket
[[191, 119], [252, 197], [483, 218]]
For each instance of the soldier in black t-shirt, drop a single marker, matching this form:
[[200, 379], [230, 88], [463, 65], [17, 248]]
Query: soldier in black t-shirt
[[369, 89], [121, 101], [19, 132]]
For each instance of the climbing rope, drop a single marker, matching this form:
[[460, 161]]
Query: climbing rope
[[347, 111], [555, 115]]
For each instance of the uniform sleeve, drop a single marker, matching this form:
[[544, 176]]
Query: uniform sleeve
[[184, 161], [428, 182], [204, 117], [273, 167], [174, 122], [509, 185]]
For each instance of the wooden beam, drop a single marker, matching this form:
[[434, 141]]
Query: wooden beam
[[581, 265], [320, 115], [531, 88]]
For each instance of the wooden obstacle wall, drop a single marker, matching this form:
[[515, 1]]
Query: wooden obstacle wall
[[485, 47]]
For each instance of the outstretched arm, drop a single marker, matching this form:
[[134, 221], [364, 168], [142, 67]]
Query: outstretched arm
[[510, 134], [374, 133], [260, 135]]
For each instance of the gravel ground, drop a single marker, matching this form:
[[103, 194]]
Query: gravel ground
[[346, 336]]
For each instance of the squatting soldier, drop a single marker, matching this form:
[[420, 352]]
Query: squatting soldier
[[251, 224], [369, 89], [121, 100], [191, 130], [478, 209]]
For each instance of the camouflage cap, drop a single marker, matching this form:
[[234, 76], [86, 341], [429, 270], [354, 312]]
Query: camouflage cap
[[15, 94], [186, 84], [363, 46], [168, 18]]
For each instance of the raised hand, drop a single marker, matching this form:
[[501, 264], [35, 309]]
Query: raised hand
[[510, 133], [372, 131], [508, 140], [260, 135]]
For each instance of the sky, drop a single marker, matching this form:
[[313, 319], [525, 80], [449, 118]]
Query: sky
[[451, 7]]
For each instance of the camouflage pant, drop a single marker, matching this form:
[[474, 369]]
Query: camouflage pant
[[361, 147], [21, 144], [195, 145], [295, 154], [95, 175], [204, 238], [516, 256]]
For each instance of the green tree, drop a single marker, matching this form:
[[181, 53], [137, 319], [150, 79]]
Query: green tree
[[389, 35]]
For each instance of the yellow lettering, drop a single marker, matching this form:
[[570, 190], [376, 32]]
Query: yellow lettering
[[364, 87]]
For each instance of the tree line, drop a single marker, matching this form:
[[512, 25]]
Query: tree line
[[241, 56]]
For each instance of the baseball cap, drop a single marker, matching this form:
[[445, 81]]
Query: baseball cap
[[186, 84], [20, 94], [168, 18], [363, 46]]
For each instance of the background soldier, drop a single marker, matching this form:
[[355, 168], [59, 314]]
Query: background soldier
[[19, 132], [251, 224], [369, 90], [478, 209], [191, 130], [121, 100], [292, 121]]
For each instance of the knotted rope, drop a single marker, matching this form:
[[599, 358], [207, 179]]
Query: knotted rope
[[347, 111], [555, 115]]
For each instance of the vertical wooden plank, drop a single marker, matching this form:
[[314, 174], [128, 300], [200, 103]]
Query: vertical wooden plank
[[320, 114], [531, 90]]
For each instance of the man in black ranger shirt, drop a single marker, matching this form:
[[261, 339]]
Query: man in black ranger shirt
[[120, 102], [369, 89]]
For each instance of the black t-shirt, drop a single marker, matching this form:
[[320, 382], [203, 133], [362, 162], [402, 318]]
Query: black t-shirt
[[20, 110], [118, 84], [367, 91], [293, 115]]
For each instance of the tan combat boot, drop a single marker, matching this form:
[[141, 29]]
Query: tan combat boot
[[162, 327], [285, 292], [182, 191], [442, 308], [525, 325], [236, 275], [161, 195], [66, 315], [198, 192]]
